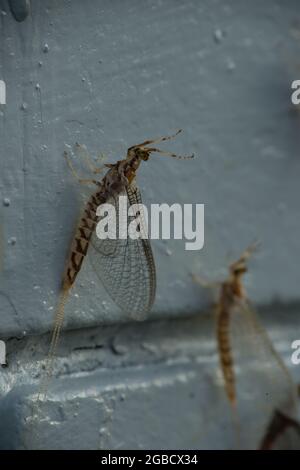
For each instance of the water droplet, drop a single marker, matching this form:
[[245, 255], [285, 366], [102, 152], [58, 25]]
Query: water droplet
[[37, 87], [6, 202], [230, 65], [3, 13], [102, 431], [23, 106], [46, 48], [12, 241], [218, 35], [40, 63]]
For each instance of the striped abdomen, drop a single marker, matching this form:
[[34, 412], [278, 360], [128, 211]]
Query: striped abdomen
[[225, 356], [82, 238]]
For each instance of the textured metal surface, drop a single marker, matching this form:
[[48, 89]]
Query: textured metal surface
[[109, 74]]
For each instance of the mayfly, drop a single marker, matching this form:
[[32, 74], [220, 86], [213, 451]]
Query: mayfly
[[125, 266], [283, 432], [255, 378]]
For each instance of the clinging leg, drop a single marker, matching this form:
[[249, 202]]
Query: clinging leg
[[89, 161], [75, 174]]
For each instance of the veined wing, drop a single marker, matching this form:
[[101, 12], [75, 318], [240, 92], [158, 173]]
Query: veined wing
[[263, 383], [126, 266]]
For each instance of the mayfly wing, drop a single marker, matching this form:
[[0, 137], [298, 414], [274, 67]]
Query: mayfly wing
[[282, 433], [126, 267], [262, 381]]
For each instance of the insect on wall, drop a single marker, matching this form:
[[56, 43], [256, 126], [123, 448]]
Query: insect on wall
[[255, 379], [125, 267]]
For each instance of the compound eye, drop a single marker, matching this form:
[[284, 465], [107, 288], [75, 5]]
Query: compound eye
[[145, 156], [241, 270]]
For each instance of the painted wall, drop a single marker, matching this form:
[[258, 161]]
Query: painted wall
[[108, 75]]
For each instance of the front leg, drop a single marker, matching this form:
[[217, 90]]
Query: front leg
[[75, 174]]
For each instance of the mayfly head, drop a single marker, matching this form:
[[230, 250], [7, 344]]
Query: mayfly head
[[139, 152], [239, 268]]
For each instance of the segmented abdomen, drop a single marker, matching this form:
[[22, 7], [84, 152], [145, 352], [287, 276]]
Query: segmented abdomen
[[225, 356], [82, 238]]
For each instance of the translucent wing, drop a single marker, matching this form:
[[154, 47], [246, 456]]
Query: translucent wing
[[283, 433], [126, 267], [263, 384]]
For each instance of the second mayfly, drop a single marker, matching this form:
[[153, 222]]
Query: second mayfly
[[125, 266]]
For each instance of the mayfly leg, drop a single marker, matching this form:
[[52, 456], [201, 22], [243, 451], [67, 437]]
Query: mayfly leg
[[204, 283], [90, 163], [75, 174]]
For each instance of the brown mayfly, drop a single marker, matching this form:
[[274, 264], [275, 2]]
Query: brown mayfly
[[256, 379], [125, 266]]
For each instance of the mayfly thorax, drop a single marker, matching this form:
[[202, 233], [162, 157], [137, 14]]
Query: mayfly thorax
[[125, 267]]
